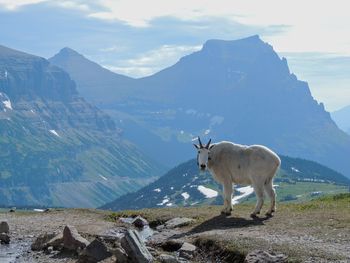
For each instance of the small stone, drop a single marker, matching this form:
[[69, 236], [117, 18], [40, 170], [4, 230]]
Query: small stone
[[260, 256], [178, 222], [50, 249], [4, 238], [72, 240], [139, 222], [4, 227]]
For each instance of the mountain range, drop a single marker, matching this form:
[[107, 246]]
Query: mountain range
[[57, 149], [342, 118], [237, 90], [184, 185]]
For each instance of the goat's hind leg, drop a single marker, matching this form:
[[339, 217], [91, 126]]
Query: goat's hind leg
[[259, 192], [270, 191]]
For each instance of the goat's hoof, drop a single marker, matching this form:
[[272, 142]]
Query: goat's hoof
[[269, 214], [226, 213], [254, 216]]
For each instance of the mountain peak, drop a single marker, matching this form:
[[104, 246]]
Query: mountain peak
[[217, 43], [67, 51]]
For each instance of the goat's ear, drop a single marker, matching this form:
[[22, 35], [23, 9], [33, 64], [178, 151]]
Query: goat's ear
[[195, 145], [211, 146]]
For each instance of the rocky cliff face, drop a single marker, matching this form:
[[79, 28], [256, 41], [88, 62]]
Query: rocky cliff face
[[57, 149], [230, 90]]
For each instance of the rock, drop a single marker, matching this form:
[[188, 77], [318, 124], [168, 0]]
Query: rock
[[165, 258], [178, 222], [4, 227], [172, 245], [121, 255], [56, 242], [49, 250], [95, 252], [4, 238], [139, 222], [41, 242], [72, 240], [187, 250], [135, 247], [12, 210], [260, 256]]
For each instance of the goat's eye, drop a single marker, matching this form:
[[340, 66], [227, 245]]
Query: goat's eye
[[199, 152]]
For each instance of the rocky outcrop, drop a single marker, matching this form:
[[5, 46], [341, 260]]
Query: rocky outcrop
[[4, 227], [72, 240], [136, 248]]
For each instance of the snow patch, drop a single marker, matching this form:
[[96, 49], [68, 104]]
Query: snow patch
[[7, 104], [206, 132], [185, 195], [157, 190], [169, 204], [246, 191], [104, 178], [165, 200], [54, 133], [209, 193], [295, 169]]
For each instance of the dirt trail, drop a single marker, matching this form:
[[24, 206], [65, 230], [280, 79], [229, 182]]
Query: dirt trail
[[316, 235]]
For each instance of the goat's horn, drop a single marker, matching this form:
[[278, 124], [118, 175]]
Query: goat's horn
[[207, 146], [200, 142]]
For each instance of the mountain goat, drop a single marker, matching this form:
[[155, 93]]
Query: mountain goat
[[231, 163]]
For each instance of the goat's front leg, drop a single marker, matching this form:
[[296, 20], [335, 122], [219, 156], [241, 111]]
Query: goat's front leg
[[227, 191]]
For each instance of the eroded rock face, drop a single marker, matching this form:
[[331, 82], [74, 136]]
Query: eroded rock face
[[260, 256], [72, 240]]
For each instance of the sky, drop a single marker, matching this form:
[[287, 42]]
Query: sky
[[139, 38]]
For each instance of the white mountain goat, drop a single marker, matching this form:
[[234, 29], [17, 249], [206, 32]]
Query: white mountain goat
[[231, 163]]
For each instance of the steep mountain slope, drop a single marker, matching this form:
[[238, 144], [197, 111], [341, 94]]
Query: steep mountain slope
[[93, 81], [184, 185], [342, 118], [230, 90], [56, 149]]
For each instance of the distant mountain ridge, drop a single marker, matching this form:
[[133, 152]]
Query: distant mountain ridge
[[184, 185], [57, 149], [238, 90], [342, 118]]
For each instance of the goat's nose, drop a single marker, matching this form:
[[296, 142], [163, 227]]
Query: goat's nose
[[202, 166]]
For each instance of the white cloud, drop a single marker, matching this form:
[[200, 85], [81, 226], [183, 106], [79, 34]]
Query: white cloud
[[152, 61], [13, 5]]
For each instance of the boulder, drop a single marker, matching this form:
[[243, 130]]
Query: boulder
[[4, 227], [72, 240], [139, 222], [260, 256], [165, 258], [94, 252], [172, 245], [178, 222], [135, 247], [56, 242], [187, 250], [41, 242], [120, 255], [4, 238]]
